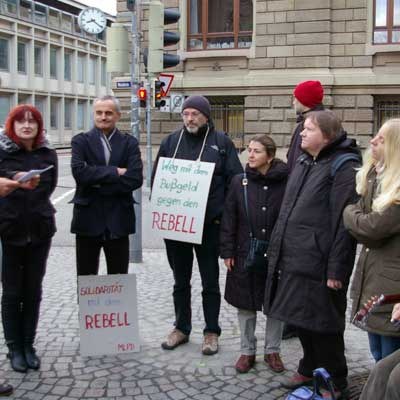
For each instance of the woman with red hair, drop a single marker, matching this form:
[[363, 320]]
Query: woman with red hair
[[27, 225]]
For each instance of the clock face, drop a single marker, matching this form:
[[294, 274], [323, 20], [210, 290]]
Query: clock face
[[92, 20]]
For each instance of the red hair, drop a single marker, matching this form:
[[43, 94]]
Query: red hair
[[18, 114]]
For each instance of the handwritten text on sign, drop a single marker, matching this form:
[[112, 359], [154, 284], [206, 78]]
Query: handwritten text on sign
[[179, 198], [108, 316]]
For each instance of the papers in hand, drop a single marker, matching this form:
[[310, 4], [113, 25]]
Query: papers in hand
[[33, 172]]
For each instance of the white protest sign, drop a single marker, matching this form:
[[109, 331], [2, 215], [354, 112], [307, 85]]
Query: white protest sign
[[179, 198], [108, 318]]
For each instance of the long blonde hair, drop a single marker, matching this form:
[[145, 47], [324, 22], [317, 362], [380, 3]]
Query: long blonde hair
[[388, 191]]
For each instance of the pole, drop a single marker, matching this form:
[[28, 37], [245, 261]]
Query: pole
[[148, 130], [135, 241]]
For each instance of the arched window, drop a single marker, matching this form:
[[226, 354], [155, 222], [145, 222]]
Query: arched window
[[219, 24]]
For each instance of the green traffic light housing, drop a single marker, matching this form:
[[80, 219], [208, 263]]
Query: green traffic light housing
[[156, 60]]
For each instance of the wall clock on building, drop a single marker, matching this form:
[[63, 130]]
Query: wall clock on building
[[92, 20]]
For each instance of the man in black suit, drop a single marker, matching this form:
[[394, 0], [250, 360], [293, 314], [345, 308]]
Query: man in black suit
[[107, 168]]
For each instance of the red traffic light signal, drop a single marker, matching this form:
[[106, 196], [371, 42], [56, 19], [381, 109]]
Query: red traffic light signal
[[142, 94]]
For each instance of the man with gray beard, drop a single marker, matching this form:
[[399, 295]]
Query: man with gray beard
[[198, 139]]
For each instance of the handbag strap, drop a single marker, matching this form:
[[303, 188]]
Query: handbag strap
[[245, 182]]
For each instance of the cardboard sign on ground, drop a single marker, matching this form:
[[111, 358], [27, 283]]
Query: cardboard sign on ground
[[108, 318]]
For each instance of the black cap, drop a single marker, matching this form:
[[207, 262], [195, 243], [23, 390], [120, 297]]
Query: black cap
[[199, 103]]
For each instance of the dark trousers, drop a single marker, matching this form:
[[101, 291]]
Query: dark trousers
[[23, 269], [88, 254], [180, 258], [323, 350]]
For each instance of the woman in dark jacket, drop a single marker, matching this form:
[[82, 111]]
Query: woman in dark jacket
[[266, 180], [311, 255], [27, 225]]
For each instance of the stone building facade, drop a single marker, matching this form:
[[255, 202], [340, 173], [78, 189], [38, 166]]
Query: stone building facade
[[248, 60]]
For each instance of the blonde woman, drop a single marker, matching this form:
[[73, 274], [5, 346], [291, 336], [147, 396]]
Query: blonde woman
[[375, 222]]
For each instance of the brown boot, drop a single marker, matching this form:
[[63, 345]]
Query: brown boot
[[210, 344], [274, 361], [245, 363], [174, 339]]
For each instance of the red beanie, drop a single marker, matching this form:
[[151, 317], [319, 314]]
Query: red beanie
[[309, 93]]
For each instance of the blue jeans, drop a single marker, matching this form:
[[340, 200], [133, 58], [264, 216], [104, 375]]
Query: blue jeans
[[381, 346]]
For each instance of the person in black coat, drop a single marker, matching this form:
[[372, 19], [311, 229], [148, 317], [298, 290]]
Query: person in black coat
[[198, 139], [307, 97], [6, 187], [27, 225], [266, 180], [107, 168], [311, 255]]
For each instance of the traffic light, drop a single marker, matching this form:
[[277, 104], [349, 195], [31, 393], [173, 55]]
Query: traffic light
[[142, 95], [156, 60], [157, 94]]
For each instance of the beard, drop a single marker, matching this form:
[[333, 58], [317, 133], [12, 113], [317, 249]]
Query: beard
[[193, 130]]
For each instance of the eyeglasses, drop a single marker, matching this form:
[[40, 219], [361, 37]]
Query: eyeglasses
[[187, 114]]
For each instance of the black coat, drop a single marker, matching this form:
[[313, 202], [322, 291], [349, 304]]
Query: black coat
[[310, 244], [219, 149], [27, 216], [245, 289], [103, 200]]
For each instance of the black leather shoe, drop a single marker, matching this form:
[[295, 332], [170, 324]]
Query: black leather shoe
[[17, 360], [32, 360], [6, 390]]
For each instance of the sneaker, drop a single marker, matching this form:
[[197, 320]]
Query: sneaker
[[274, 361], [174, 339], [245, 363], [210, 344], [297, 380]]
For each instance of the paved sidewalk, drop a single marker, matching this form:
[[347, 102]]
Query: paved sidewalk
[[152, 374]]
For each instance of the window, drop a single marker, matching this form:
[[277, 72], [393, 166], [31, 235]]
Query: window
[[67, 65], [21, 57], [220, 24], [92, 70], [53, 62], [386, 21], [103, 72], [38, 55], [4, 54], [54, 18], [40, 105], [40, 15], [81, 115], [66, 22], [25, 9], [386, 109], [54, 113], [9, 7], [228, 116], [81, 68], [68, 113], [5, 103]]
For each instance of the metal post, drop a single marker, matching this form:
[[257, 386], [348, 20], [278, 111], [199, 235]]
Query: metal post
[[148, 129], [135, 242]]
